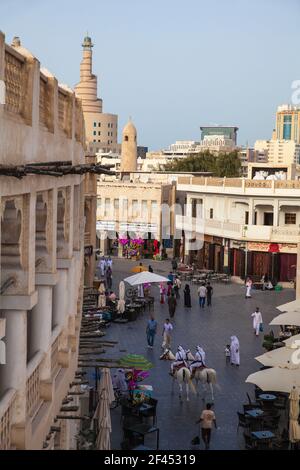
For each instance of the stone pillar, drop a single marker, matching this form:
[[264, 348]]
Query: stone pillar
[[41, 328], [276, 213], [251, 212], [60, 298], [13, 374]]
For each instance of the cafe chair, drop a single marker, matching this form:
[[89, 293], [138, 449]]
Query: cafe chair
[[249, 442], [151, 411], [242, 421], [271, 422]]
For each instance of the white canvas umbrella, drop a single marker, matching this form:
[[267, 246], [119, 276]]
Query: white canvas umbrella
[[276, 379], [290, 318], [281, 357], [106, 384], [294, 428], [121, 301], [103, 438], [290, 306], [145, 278], [291, 342]]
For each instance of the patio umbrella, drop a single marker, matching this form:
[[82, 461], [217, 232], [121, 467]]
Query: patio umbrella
[[289, 318], [103, 438], [106, 384], [290, 306], [281, 357], [135, 361], [276, 379], [294, 428], [145, 278], [121, 301], [291, 342], [102, 415], [139, 269]]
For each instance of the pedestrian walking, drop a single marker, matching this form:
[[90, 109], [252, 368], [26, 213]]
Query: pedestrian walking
[[150, 269], [257, 321], [109, 277], [206, 421], [171, 277], [202, 295], [234, 351], [102, 266], [174, 265], [172, 302], [169, 288], [248, 288], [151, 331], [227, 353], [209, 293], [177, 286], [167, 330], [187, 296], [162, 292]]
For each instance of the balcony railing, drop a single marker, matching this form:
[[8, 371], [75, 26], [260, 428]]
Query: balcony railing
[[14, 81], [6, 407], [33, 384]]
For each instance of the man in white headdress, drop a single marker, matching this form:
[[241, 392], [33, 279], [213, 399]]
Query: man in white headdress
[[234, 351], [180, 359], [257, 320], [199, 360], [102, 266], [119, 381]]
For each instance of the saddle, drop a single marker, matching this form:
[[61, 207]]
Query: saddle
[[180, 366]]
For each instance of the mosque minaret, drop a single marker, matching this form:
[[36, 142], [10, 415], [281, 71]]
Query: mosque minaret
[[129, 148], [101, 129]]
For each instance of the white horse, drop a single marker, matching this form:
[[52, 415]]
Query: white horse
[[207, 377], [183, 376]]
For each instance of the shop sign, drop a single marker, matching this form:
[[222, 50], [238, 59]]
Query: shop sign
[[257, 246], [273, 247], [105, 225], [88, 250], [239, 245], [138, 227], [288, 248]]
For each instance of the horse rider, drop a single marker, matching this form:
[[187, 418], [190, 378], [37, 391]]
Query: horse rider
[[199, 361], [180, 360]]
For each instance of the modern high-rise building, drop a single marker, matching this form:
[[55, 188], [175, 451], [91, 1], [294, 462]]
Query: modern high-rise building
[[229, 132], [288, 123], [101, 128]]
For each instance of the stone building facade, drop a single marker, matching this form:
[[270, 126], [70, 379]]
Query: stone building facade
[[42, 229]]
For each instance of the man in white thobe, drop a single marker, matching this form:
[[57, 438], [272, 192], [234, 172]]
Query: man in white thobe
[[257, 320], [199, 360], [180, 358], [234, 351]]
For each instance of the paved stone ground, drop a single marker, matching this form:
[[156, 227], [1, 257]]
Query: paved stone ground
[[211, 327]]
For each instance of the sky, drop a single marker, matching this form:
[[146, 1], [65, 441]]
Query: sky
[[171, 65]]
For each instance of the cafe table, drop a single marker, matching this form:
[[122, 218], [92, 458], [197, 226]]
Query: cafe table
[[263, 437], [267, 399], [142, 430], [255, 413]]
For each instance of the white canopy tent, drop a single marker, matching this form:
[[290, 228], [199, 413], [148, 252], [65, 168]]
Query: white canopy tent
[[281, 357], [290, 306], [290, 318], [291, 342], [276, 379], [145, 278]]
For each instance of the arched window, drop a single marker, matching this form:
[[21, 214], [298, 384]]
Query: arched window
[[126, 138]]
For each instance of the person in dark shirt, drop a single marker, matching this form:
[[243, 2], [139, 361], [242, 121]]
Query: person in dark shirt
[[209, 293]]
